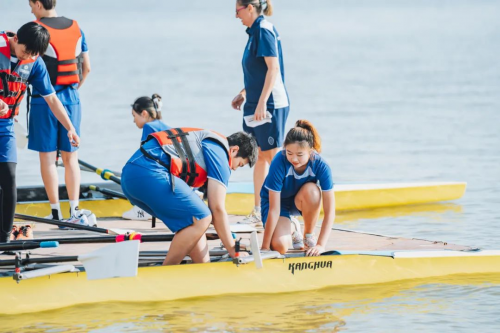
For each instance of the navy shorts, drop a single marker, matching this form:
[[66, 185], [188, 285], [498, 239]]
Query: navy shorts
[[287, 209], [152, 191], [269, 135], [46, 133]]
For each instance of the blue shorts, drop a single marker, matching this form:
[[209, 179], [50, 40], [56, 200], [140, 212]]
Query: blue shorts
[[270, 135], [287, 209], [46, 134], [8, 149], [152, 191]]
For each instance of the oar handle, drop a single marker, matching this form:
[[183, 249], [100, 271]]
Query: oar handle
[[60, 223], [27, 245]]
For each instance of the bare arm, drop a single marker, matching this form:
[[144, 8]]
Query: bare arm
[[326, 226], [60, 113], [85, 68], [239, 99], [273, 68], [216, 202], [272, 218]]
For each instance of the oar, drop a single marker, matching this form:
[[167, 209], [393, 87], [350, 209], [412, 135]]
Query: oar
[[60, 163], [109, 192], [27, 245], [115, 239], [105, 174], [71, 225]]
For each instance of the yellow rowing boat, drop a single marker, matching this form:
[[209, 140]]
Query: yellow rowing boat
[[239, 200]]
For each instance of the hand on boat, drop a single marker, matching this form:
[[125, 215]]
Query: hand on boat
[[238, 101], [4, 108], [232, 253], [315, 251], [74, 139]]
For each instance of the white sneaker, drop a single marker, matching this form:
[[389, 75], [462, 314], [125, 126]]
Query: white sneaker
[[135, 213], [91, 218], [310, 241], [80, 220], [254, 218], [297, 237]]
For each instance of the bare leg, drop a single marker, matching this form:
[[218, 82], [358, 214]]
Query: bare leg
[[49, 175], [186, 240], [71, 174], [200, 254], [308, 201], [281, 240], [261, 170]]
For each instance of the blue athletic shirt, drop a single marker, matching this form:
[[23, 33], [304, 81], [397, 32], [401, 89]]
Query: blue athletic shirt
[[153, 127], [67, 95], [283, 178], [215, 155], [39, 79], [263, 41]]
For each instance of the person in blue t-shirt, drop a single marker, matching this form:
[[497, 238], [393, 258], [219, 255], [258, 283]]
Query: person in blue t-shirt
[[146, 112], [155, 179], [264, 95], [30, 41], [298, 178], [68, 45]]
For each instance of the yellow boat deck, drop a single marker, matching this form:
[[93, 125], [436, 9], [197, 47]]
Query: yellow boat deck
[[341, 240]]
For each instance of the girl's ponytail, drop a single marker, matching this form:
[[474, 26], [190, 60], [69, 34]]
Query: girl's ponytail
[[158, 104], [304, 131], [267, 7]]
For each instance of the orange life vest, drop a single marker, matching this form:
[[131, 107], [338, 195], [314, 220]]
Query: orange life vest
[[64, 57], [183, 145], [13, 83]]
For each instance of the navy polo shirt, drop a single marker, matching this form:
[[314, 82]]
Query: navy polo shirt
[[263, 41]]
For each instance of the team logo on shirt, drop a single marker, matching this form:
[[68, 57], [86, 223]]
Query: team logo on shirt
[[270, 140], [25, 70]]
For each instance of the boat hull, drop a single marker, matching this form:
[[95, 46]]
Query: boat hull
[[163, 283], [240, 201]]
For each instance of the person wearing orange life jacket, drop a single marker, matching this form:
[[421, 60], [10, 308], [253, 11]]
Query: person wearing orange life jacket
[[19, 67], [160, 176], [68, 64]]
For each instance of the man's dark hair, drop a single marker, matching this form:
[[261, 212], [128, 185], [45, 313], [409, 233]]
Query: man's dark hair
[[34, 37], [47, 4], [248, 146]]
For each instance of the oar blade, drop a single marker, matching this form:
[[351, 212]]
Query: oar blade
[[113, 261]]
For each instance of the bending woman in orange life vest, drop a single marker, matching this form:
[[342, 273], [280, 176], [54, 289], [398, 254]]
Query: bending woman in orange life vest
[[146, 112], [160, 176]]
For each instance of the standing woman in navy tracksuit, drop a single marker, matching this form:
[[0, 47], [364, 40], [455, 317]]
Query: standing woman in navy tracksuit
[[264, 90]]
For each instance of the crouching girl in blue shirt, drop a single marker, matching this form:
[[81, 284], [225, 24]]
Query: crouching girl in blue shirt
[[297, 181]]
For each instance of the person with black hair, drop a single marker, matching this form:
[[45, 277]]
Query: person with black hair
[[298, 179], [68, 64], [146, 112], [160, 176], [20, 65], [266, 104]]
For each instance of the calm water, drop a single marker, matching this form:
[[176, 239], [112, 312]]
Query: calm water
[[399, 90]]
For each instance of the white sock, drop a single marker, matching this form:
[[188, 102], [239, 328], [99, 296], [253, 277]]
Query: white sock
[[73, 204], [57, 206], [257, 209]]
